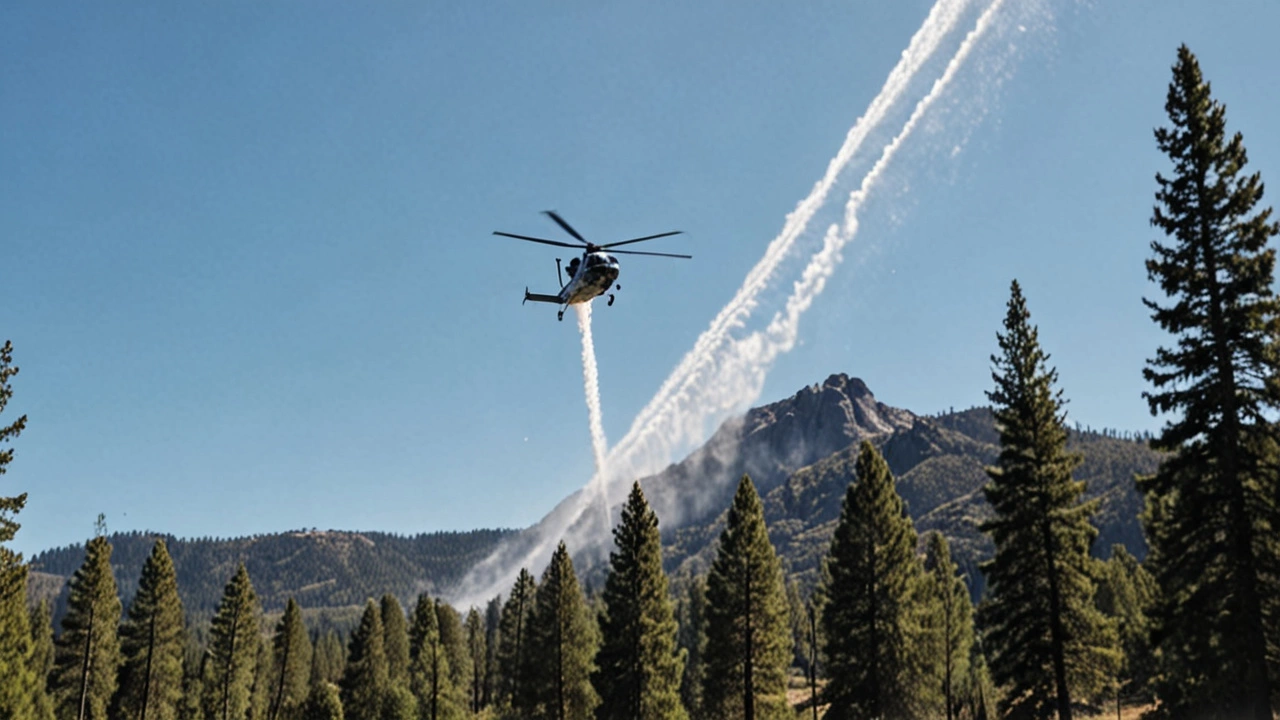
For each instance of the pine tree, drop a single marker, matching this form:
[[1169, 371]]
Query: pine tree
[[1215, 552], [234, 637], [454, 642], [476, 655], [563, 638], [748, 635], [151, 641], [872, 592], [327, 658], [292, 653], [364, 683], [400, 703], [492, 644], [1126, 593], [18, 681], [194, 664], [639, 666], [324, 703], [21, 685], [429, 675], [9, 506], [513, 634], [692, 637], [1048, 641], [263, 687], [955, 619], [395, 640], [41, 664], [87, 657]]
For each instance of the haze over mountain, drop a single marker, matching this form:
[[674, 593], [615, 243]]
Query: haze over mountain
[[799, 451]]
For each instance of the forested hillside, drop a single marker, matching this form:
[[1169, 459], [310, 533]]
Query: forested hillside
[[318, 568], [939, 465]]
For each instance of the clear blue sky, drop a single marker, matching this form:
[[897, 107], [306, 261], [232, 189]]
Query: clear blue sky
[[246, 262]]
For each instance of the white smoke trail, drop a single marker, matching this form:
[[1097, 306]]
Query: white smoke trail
[[591, 386], [782, 330], [661, 418], [722, 372]]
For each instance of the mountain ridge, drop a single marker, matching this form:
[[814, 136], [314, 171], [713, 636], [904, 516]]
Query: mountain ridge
[[799, 451]]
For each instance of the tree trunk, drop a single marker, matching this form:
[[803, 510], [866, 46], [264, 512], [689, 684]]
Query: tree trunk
[[151, 651], [284, 669], [1057, 641], [87, 665]]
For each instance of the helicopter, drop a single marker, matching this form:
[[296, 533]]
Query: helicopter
[[590, 276]]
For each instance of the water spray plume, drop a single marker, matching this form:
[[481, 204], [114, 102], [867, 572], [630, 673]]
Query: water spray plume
[[723, 372], [591, 385]]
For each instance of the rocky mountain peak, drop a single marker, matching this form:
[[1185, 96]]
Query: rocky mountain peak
[[771, 442]]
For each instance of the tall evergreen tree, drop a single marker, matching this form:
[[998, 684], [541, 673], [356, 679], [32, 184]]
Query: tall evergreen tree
[[194, 663], [492, 644], [87, 657], [395, 640], [263, 687], [639, 666], [1126, 593], [514, 638], [328, 658], [9, 506], [21, 685], [563, 638], [1049, 643], [364, 683], [234, 637], [41, 664], [476, 655], [692, 637], [1215, 554], [292, 665], [454, 642], [955, 619], [12, 505], [748, 630], [873, 592], [152, 641], [429, 675]]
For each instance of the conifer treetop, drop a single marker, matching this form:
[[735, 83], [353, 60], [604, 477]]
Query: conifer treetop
[[9, 506]]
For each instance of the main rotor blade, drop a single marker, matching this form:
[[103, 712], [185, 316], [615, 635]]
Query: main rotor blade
[[560, 221], [638, 252], [649, 237], [557, 243]]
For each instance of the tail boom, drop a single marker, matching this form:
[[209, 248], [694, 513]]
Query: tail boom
[[538, 297]]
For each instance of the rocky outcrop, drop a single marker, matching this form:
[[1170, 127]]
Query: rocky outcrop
[[769, 443]]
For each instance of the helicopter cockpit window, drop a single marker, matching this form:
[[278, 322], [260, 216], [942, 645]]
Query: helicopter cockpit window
[[593, 260]]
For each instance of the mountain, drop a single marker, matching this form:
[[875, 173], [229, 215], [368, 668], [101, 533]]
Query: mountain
[[801, 451], [769, 443], [318, 568]]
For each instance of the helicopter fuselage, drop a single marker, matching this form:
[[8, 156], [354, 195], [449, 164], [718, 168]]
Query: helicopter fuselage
[[592, 277], [596, 273]]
